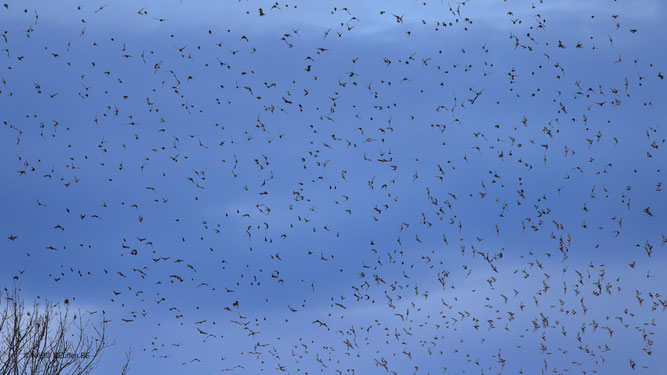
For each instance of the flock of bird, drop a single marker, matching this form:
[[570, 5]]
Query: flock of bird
[[396, 187]]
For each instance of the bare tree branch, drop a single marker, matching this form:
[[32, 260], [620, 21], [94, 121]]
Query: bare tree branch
[[49, 339]]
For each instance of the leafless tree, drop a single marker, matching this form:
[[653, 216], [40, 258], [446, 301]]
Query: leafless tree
[[49, 339]]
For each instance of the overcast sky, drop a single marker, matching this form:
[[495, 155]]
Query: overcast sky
[[269, 159]]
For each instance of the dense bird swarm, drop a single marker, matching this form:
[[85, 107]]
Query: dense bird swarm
[[342, 187]]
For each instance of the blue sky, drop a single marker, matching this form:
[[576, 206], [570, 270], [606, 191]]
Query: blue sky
[[271, 175]]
